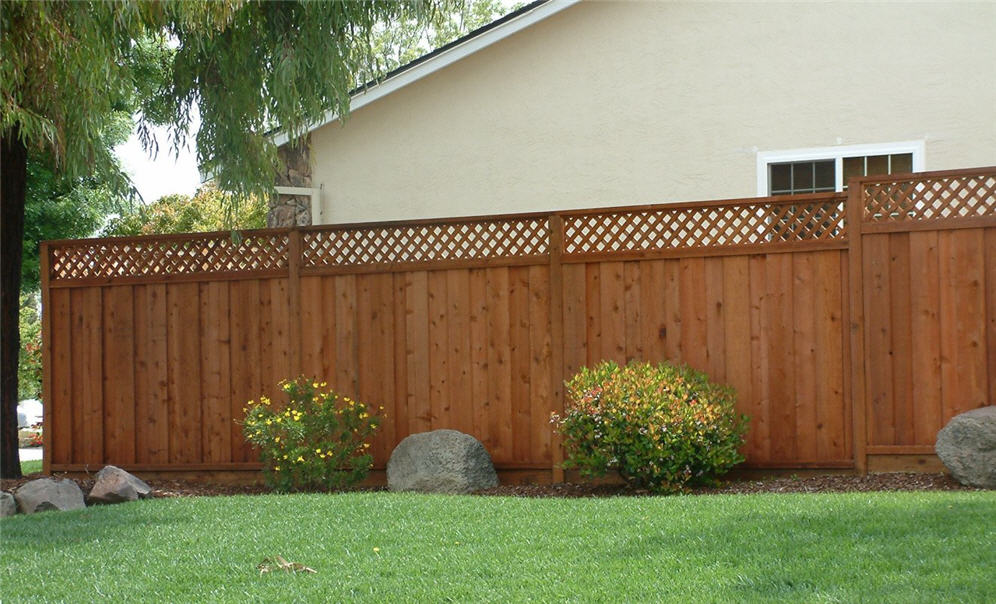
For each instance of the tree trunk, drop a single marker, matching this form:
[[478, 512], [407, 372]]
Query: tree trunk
[[13, 174]]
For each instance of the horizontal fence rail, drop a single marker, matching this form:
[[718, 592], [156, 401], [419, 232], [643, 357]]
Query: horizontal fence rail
[[852, 325]]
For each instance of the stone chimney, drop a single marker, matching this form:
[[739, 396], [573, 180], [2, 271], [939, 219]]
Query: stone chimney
[[292, 210]]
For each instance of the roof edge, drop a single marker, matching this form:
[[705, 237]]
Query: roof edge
[[442, 57]]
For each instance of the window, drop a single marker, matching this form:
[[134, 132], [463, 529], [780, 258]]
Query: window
[[829, 168]]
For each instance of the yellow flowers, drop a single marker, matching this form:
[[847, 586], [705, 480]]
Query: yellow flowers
[[308, 439]]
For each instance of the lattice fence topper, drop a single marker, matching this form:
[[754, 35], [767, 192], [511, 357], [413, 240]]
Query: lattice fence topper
[[256, 252], [742, 224], [426, 242], [958, 196]]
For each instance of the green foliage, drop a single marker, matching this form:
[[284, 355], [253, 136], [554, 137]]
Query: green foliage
[[662, 427], [405, 39], [208, 210], [247, 66], [319, 439], [29, 363]]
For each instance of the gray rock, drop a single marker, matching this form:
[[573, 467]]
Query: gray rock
[[8, 505], [114, 485], [967, 447], [441, 461], [47, 494]]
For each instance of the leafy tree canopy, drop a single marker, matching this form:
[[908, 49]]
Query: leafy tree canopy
[[208, 210]]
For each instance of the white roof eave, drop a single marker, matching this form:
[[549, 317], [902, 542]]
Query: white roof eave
[[443, 59]]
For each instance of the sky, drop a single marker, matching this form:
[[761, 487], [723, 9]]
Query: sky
[[164, 175]]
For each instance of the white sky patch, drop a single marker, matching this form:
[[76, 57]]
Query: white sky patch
[[167, 174]]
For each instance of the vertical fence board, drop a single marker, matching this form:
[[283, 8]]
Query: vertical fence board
[[216, 427], [518, 318], [184, 370], [311, 329], [693, 313], [902, 344], [653, 324], [736, 333], [417, 351], [345, 339], [781, 369], [151, 396], [759, 435], [593, 308], [397, 409], [575, 319], [715, 343], [925, 350], [829, 368], [881, 427], [62, 429], [500, 362], [88, 373], [478, 332], [804, 320], [439, 386], [672, 311], [458, 349], [540, 386], [327, 317], [633, 318]]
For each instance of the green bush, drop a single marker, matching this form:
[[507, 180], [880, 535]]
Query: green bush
[[319, 439], [662, 427]]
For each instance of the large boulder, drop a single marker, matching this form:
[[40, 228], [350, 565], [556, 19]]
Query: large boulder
[[441, 461], [47, 494], [114, 485], [967, 447], [8, 505]]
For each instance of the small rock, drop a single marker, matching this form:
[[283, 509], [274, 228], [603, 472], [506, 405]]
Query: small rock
[[441, 461], [114, 485], [967, 447], [47, 494], [8, 505]]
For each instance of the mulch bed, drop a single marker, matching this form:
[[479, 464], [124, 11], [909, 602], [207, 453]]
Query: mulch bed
[[833, 483]]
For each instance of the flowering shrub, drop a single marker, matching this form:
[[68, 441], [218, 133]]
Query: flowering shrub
[[662, 427], [319, 439]]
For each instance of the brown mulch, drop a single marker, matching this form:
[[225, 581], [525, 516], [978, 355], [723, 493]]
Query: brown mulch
[[831, 483]]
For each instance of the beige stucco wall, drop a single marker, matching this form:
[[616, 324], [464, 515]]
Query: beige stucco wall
[[630, 103]]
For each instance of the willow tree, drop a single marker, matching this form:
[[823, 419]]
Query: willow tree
[[246, 66]]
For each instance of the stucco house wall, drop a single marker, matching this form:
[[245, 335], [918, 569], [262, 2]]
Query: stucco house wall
[[619, 103]]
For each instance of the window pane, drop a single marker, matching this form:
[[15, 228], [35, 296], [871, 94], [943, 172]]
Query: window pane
[[781, 178], [902, 163], [825, 175], [853, 168], [878, 164], [802, 177]]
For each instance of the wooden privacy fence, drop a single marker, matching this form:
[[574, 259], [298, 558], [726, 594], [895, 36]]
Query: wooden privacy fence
[[853, 326]]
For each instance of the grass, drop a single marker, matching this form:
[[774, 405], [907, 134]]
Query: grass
[[30, 467], [875, 547]]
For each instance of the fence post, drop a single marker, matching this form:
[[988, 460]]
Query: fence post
[[557, 338], [855, 286], [294, 252], [46, 328]]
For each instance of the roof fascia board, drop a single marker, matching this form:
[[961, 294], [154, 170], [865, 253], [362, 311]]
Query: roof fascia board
[[444, 59]]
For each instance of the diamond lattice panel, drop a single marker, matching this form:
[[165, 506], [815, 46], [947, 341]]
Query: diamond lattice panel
[[109, 258], [930, 199], [698, 227], [419, 243]]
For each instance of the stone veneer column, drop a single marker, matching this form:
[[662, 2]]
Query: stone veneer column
[[291, 210]]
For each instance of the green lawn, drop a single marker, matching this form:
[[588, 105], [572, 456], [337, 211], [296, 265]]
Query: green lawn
[[30, 467], [381, 547]]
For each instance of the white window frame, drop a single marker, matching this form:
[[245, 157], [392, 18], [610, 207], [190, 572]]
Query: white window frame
[[836, 153]]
